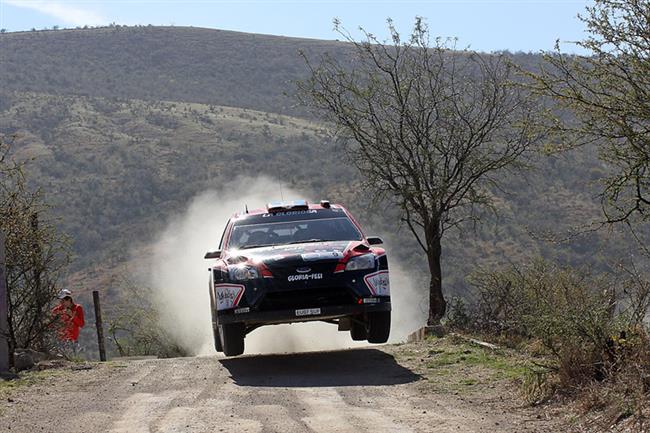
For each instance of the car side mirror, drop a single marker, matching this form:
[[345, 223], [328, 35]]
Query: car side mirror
[[212, 254], [375, 240]]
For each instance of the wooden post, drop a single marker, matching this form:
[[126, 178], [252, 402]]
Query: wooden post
[[98, 325], [4, 311]]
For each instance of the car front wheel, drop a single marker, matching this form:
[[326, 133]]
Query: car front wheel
[[378, 326], [217, 341], [232, 338], [358, 330]]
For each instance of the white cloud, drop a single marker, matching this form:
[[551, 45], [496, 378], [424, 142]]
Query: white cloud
[[66, 12]]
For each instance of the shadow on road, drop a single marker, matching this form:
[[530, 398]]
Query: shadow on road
[[352, 367]]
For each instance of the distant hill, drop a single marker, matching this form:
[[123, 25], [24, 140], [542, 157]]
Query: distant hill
[[118, 164], [166, 63], [126, 125], [159, 63]]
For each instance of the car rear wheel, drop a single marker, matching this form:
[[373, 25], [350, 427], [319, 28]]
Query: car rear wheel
[[215, 330], [217, 340], [358, 330], [378, 326], [232, 338]]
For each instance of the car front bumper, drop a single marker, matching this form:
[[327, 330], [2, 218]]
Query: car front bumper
[[292, 315]]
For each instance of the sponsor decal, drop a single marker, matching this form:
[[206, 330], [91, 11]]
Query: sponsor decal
[[378, 283], [321, 255], [289, 213], [228, 295], [305, 277], [308, 312]]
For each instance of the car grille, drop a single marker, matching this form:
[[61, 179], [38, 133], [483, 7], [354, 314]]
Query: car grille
[[281, 272]]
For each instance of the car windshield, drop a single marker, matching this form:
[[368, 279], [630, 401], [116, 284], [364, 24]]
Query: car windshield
[[287, 232]]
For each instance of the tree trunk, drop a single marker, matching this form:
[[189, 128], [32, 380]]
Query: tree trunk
[[37, 333], [437, 303]]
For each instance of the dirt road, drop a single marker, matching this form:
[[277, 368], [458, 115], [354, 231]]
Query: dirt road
[[356, 390]]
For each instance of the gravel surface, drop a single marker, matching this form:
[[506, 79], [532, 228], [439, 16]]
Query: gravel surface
[[355, 390]]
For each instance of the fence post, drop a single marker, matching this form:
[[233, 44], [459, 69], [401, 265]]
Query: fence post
[[4, 310], [99, 326]]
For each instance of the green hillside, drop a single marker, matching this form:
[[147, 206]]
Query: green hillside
[[127, 125], [159, 63]]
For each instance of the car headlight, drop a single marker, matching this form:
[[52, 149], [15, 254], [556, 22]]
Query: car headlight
[[239, 273], [366, 261]]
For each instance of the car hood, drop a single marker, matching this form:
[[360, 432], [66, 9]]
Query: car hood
[[306, 252]]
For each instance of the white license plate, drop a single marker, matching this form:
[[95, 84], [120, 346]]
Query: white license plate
[[308, 312]]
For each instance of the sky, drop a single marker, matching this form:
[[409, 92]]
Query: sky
[[484, 25]]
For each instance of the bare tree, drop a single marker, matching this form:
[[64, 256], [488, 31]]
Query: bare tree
[[426, 124], [35, 257], [608, 91]]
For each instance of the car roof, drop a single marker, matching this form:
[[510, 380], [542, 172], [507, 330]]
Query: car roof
[[312, 206]]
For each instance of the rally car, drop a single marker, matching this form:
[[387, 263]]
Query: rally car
[[297, 262]]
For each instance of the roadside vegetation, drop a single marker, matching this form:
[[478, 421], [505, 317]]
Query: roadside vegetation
[[36, 257], [133, 325], [586, 335], [446, 357], [594, 327]]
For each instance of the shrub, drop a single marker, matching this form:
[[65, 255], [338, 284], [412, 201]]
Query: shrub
[[36, 256], [592, 329], [134, 328], [457, 316]]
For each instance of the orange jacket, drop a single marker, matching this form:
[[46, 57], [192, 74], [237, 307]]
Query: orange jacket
[[70, 321]]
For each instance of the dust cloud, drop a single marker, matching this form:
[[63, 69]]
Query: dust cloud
[[178, 275]]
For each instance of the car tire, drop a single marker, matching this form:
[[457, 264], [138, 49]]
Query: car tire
[[358, 330], [232, 338], [378, 326], [217, 341]]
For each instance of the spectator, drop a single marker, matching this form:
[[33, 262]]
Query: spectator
[[68, 316]]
